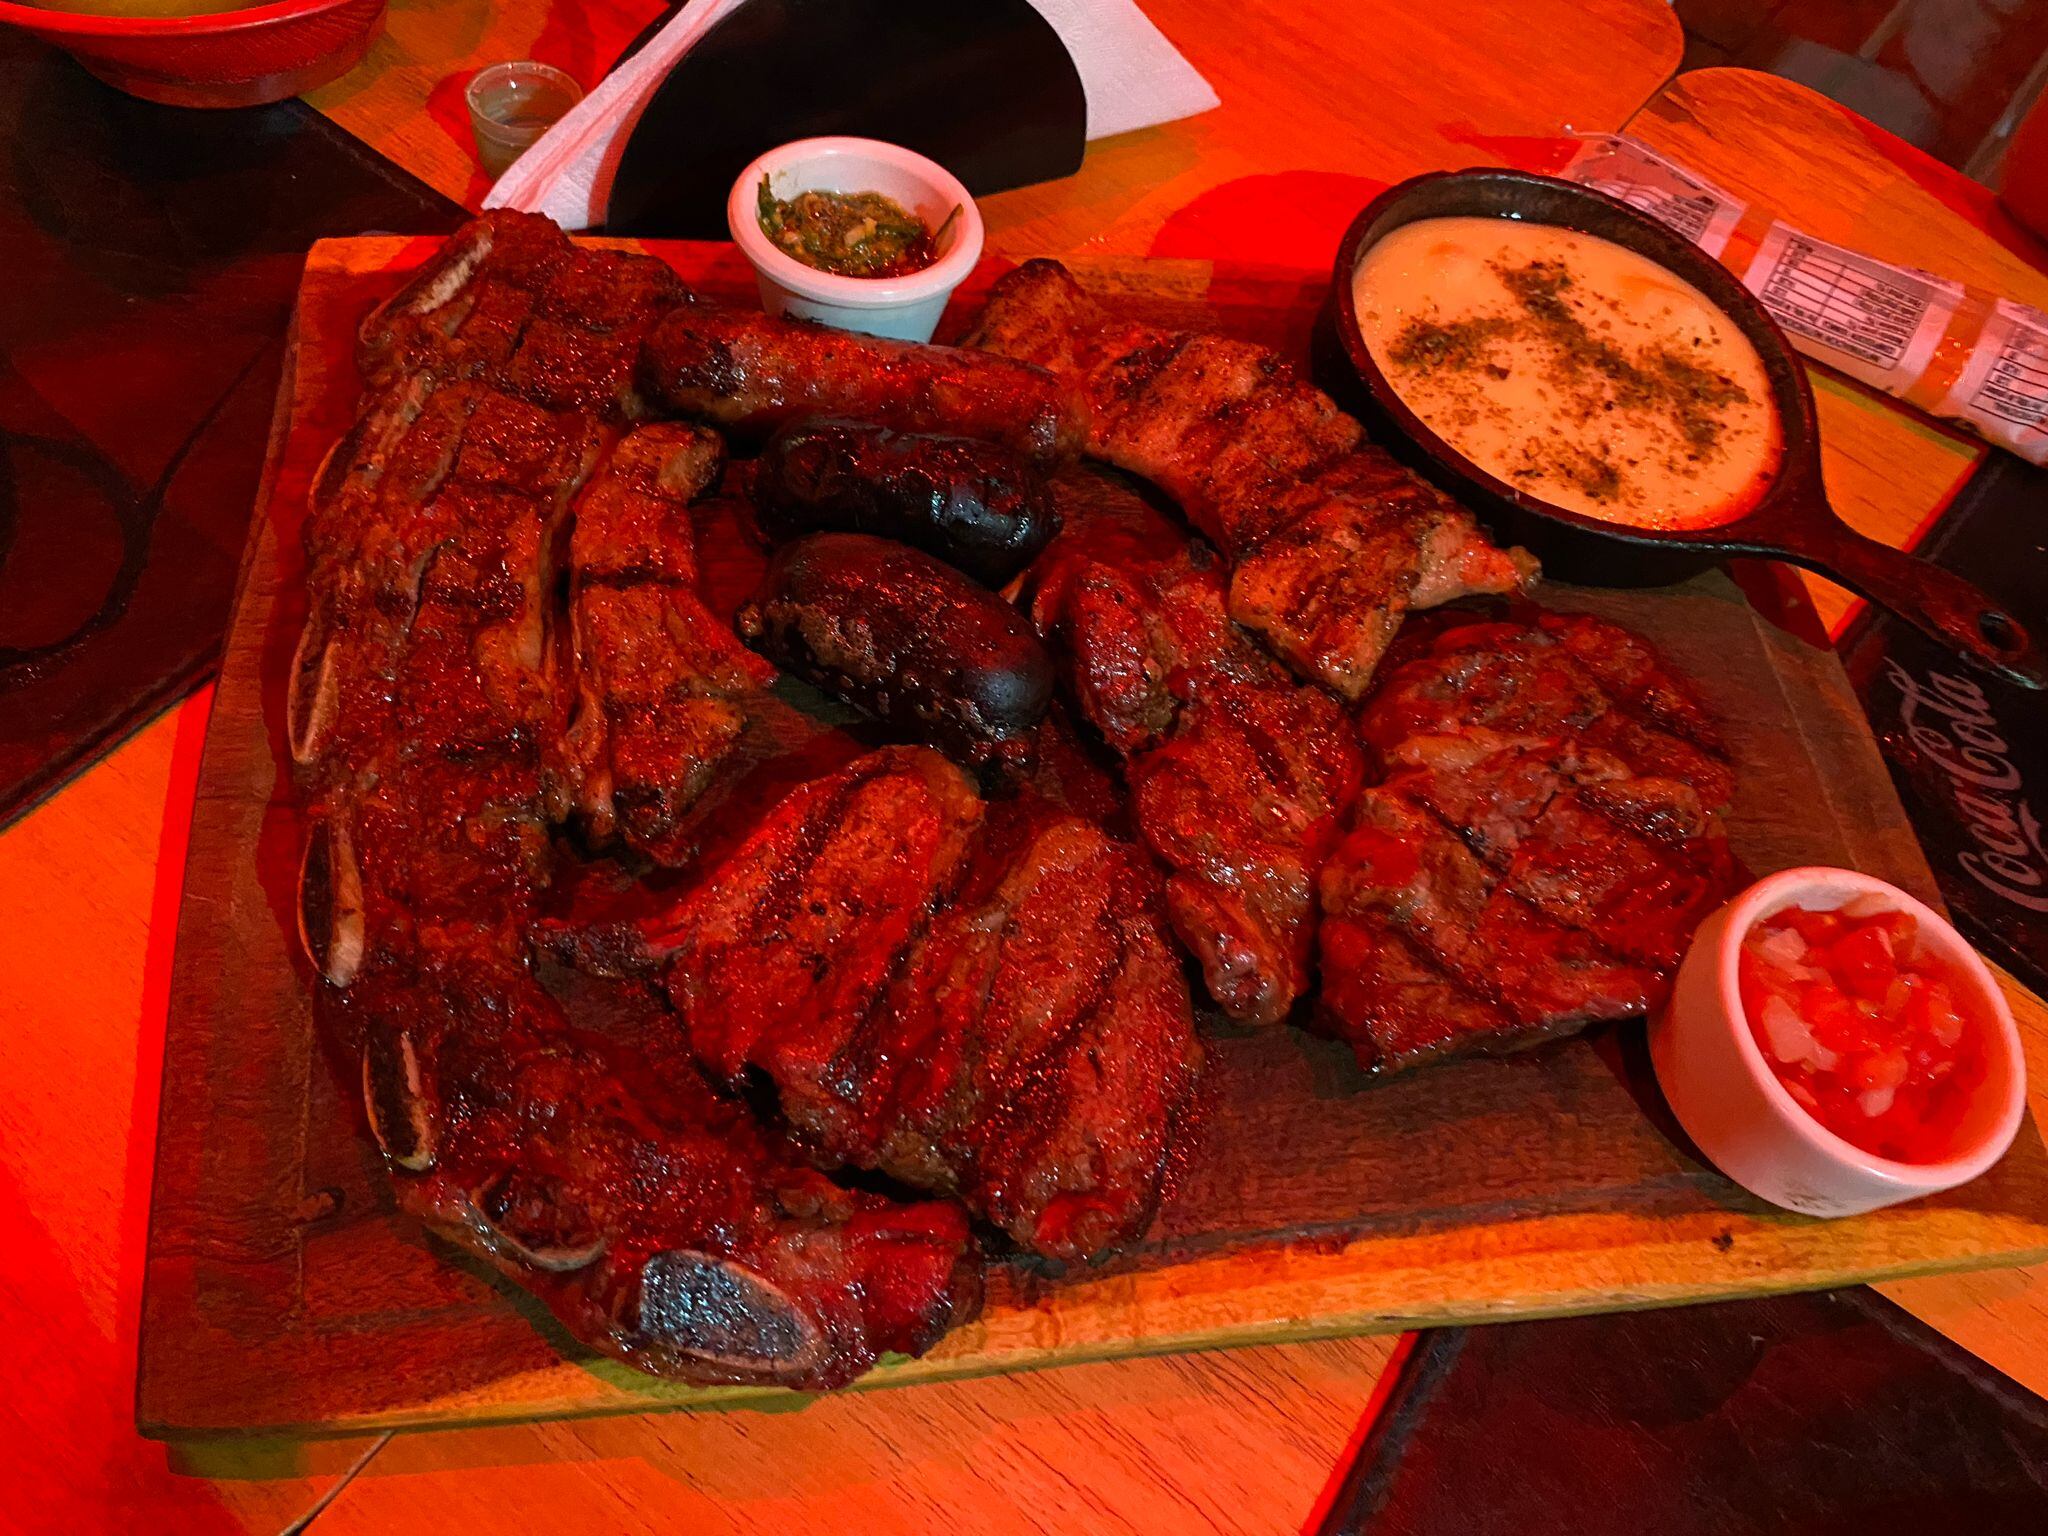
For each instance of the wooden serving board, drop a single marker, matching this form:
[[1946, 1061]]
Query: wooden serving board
[[284, 1294]]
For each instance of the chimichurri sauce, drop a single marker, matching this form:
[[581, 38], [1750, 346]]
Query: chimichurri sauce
[[852, 234]]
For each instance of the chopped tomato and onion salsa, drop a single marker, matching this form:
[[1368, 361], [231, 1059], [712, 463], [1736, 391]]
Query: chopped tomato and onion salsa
[[1862, 1026]]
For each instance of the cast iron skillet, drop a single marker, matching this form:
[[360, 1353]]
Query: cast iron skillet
[[1793, 520]]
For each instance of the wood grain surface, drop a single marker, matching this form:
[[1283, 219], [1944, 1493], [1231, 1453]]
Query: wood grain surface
[[285, 1296], [1319, 100]]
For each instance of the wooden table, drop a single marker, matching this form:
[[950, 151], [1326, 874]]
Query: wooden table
[[1322, 98]]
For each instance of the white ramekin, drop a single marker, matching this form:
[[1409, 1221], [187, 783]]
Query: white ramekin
[[908, 307], [1732, 1104]]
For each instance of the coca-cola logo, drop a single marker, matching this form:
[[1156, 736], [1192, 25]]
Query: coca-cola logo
[[1950, 723]]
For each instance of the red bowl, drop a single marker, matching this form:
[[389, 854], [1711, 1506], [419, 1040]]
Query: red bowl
[[227, 59]]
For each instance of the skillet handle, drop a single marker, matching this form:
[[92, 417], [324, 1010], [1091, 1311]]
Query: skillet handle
[[1947, 609]]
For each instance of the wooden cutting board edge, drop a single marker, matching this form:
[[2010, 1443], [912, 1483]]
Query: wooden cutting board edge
[[1342, 1293]]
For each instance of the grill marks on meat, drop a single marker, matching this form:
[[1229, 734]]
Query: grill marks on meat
[[463, 473], [1538, 849], [666, 697], [780, 953], [751, 373], [653, 1217], [1036, 1053], [980, 1001], [423, 694], [1560, 675], [509, 302], [1330, 541], [1239, 775]]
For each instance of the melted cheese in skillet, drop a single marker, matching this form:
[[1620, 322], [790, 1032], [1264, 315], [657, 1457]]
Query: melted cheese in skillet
[[1571, 368]]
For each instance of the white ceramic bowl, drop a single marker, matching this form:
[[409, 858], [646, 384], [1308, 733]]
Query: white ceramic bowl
[[1732, 1104], [908, 307]]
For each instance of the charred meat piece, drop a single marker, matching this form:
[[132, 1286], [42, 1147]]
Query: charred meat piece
[[750, 373], [1511, 876], [509, 302], [1330, 541], [427, 855], [777, 957], [979, 507], [415, 324], [1036, 1054], [1561, 672], [983, 1004], [666, 700], [423, 696], [906, 638], [653, 1217], [449, 504], [1239, 774]]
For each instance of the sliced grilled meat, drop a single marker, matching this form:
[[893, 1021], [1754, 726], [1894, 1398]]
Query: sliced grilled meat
[[749, 373], [977, 1002], [778, 956], [1330, 541], [1036, 1054], [1514, 874], [1239, 774]]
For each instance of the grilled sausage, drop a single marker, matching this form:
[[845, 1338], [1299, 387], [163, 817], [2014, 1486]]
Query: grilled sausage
[[750, 373], [980, 508], [909, 640]]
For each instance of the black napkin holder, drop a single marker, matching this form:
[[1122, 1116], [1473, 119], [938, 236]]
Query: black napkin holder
[[984, 87]]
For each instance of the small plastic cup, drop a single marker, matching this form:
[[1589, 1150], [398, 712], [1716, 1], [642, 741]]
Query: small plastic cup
[[512, 105]]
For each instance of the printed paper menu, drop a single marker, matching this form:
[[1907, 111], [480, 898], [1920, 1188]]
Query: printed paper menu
[[1665, 190], [2003, 393], [1874, 321]]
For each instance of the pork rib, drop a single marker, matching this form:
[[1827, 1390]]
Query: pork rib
[[1240, 775], [430, 725], [666, 698], [509, 302], [1538, 848], [654, 1218], [1330, 541]]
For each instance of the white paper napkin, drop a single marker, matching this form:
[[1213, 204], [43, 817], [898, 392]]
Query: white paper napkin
[[1133, 77]]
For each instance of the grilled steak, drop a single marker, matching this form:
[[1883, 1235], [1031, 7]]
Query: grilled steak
[[1536, 851], [978, 1001], [1036, 1053], [1239, 775], [749, 373], [1330, 541]]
